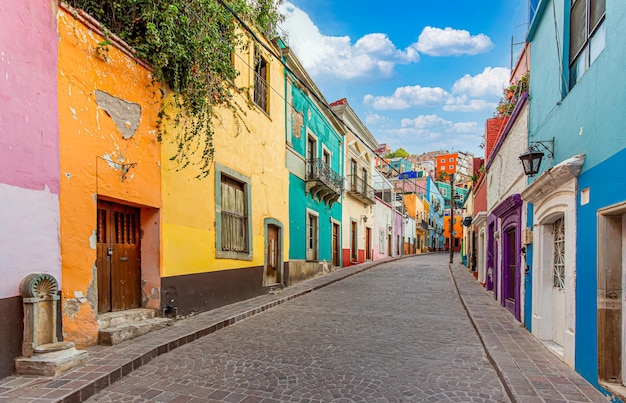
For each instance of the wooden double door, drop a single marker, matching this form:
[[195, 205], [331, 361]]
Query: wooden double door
[[119, 257]]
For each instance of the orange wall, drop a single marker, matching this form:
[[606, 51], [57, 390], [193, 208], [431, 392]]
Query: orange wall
[[447, 163], [88, 133], [458, 227]]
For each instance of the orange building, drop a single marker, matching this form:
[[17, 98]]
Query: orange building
[[447, 163], [457, 229], [110, 168]]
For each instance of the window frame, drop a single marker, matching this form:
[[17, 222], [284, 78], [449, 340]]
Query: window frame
[[220, 171], [261, 83], [585, 49]]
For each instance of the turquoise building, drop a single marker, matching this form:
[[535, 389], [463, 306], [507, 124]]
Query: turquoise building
[[314, 150], [577, 201]]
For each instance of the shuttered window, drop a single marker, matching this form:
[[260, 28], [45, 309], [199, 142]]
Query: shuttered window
[[234, 216]]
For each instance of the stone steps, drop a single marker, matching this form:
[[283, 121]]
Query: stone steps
[[116, 327]]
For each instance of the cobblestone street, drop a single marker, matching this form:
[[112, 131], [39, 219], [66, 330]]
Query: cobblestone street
[[397, 332]]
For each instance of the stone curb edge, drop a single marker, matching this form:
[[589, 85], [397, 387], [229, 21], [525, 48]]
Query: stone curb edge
[[106, 380]]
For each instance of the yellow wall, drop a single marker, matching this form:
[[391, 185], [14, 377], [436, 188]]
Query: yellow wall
[[86, 133], [258, 152]]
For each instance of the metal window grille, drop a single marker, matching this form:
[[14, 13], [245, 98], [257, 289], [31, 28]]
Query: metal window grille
[[234, 216], [559, 254]]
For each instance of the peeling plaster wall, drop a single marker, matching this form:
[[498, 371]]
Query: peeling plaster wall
[[108, 112]]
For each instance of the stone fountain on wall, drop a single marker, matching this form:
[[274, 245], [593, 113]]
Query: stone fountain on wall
[[42, 353]]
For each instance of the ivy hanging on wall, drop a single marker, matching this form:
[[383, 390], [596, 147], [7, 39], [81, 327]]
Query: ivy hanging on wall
[[189, 44]]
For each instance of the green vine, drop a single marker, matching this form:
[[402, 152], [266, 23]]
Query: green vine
[[190, 44]]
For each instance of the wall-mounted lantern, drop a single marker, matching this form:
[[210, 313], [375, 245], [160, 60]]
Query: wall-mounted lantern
[[531, 158]]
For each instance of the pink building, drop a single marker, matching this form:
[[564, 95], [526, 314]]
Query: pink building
[[29, 159]]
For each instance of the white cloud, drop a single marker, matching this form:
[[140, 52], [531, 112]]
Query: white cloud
[[451, 42], [375, 119], [371, 55], [429, 123], [465, 104], [407, 97], [486, 84]]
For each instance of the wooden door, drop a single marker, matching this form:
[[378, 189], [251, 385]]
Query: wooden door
[[272, 271], [118, 257], [335, 244], [368, 243]]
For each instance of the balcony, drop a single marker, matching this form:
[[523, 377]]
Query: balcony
[[322, 182], [360, 189], [424, 225]]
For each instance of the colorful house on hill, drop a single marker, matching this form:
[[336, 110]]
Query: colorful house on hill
[[314, 141], [226, 236], [357, 207], [29, 161], [110, 193], [578, 196]]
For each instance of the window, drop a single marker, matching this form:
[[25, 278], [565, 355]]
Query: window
[[586, 36], [451, 159], [444, 192], [443, 160], [353, 174], [364, 180], [326, 157], [451, 167], [233, 226], [442, 168], [311, 150], [234, 217], [260, 83], [558, 277], [311, 236]]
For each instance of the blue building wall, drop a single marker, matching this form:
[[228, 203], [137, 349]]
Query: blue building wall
[[299, 201], [601, 196], [401, 165], [587, 119]]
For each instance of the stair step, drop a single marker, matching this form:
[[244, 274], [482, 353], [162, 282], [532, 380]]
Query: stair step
[[117, 334], [113, 319]]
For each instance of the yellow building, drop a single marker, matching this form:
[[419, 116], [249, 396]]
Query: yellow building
[[225, 236]]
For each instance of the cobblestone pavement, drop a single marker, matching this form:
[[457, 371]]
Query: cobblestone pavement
[[395, 333]]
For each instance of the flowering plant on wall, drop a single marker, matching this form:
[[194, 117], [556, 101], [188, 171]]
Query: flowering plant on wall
[[510, 96]]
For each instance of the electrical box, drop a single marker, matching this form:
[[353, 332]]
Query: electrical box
[[527, 236]]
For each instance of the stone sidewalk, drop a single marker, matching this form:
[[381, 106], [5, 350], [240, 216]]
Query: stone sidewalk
[[529, 372]]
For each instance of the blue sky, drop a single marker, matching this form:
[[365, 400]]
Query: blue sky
[[422, 75]]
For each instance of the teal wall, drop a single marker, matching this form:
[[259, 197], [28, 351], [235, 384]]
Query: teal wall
[[299, 201]]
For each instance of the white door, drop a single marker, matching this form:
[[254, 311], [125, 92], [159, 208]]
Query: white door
[[558, 282]]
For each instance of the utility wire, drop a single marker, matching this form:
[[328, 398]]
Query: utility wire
[[321, 101]]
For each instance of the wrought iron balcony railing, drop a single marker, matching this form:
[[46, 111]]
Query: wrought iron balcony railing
[[322, 181], [359, 188]]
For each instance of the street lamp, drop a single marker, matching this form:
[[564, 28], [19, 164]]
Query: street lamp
[[531, 158]]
